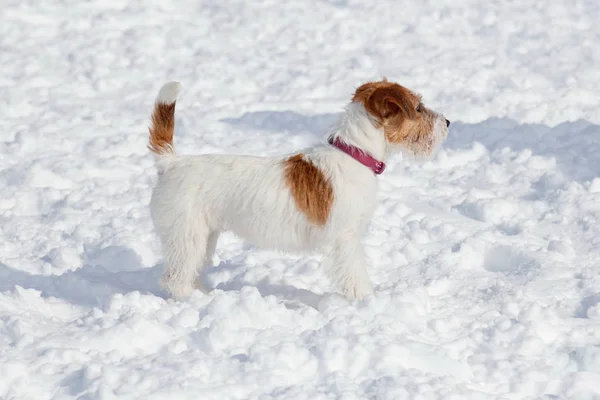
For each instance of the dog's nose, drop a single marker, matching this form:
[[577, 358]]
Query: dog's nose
[[447, 123]]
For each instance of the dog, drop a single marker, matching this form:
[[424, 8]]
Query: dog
[[319, 200]]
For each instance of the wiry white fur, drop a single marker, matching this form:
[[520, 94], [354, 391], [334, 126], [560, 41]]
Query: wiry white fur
[[197, 197], [438, 134], [356, 127]]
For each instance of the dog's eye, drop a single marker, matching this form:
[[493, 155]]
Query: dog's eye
[[420, 107]]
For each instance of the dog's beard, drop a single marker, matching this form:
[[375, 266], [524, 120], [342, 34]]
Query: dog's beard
[[428, 148]]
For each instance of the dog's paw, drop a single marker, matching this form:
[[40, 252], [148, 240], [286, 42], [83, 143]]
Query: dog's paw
[[358, 290], [177, 290], [198, 284]]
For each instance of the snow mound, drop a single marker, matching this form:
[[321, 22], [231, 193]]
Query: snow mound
[[484, 259]]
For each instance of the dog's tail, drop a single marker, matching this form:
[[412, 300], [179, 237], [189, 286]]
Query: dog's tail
[[163, 121]]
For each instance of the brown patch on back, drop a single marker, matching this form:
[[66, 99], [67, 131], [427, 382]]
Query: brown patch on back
[[312, 192], [394, 108], [162, 128]]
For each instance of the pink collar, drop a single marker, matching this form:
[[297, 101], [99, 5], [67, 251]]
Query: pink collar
[[373, 164]]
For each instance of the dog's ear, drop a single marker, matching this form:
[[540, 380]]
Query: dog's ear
[[363, 92], [387, 102], [384, 100]]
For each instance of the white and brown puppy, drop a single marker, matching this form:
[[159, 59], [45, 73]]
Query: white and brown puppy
[[319, 200]]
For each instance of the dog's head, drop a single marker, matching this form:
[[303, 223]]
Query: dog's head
[[407, 124]]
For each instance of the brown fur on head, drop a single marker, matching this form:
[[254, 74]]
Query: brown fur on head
[[401, 114]]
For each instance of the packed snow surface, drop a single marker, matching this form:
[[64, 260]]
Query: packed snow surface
[[485, 259]]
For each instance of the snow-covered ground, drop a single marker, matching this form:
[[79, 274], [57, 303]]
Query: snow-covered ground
[[485, 260]]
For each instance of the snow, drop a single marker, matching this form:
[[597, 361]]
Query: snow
[[485, 260]]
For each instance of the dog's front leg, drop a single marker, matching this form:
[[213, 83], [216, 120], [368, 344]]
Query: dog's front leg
[[346, 263]]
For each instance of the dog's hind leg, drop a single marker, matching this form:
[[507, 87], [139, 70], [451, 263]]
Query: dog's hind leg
[[184, 249], [211, 245]]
